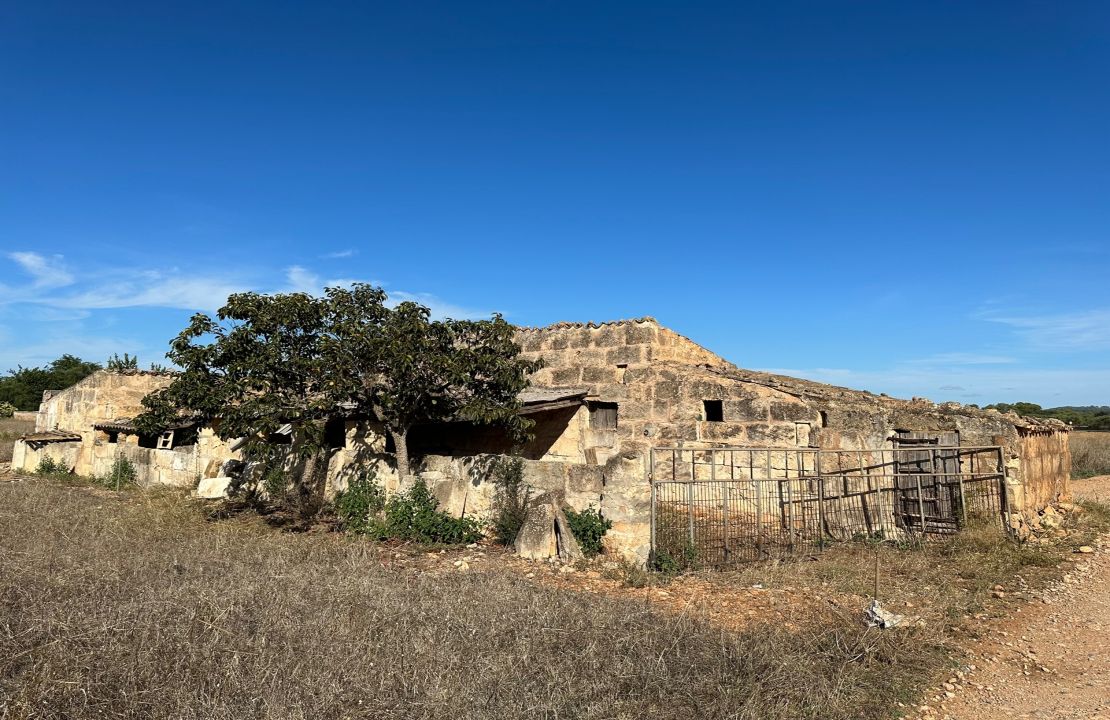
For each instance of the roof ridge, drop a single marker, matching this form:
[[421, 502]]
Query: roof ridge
[[589, 324]]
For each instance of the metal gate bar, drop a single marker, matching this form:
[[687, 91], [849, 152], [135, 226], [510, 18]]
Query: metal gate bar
[[717, 507]]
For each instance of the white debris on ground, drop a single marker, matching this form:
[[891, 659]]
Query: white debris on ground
[[880, 618]]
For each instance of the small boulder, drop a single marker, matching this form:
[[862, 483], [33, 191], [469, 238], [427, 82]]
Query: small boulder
[[213, 488], [546, 533]]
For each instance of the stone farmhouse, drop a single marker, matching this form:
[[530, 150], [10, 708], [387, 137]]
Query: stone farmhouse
[[623, 407]]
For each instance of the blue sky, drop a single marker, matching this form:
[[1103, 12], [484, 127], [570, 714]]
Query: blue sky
[[910, 197]]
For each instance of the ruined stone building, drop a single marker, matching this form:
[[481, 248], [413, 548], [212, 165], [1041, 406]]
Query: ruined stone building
[[621, 405]]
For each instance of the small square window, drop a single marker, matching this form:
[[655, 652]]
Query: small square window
[[714, 410]]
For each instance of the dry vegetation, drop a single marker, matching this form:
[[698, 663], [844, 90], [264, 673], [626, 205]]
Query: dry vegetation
[[11, 429], [134, 605], [1090, 454]]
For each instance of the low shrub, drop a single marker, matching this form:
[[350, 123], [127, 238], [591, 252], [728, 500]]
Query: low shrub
[[120, 476], [510, 501], [588, 527], [49, 466], [7, 410], [415, 515], [360, 506]]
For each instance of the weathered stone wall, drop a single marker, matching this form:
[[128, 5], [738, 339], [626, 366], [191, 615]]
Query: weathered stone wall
[[1046, 468], [104, 395]]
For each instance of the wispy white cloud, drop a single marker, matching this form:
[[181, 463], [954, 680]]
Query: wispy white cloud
[[298, 279], [963, 358], [73, 296], [1078, 331], [47, 272], [339, 254], [438, 307], [971, 383]]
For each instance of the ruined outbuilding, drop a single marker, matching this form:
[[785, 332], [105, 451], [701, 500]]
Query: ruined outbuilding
[[611, 401]]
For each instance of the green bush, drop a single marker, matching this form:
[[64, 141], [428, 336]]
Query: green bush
[[414, 515], [510, 502], [48, 466], [588, 528], [360, 506], [120, 476], [7, 410]]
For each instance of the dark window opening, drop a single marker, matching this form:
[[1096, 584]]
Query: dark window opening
[[335, 433], [280, 438], [603, 415], [148, 441], [824, 419], [714, 410], [113, 437]]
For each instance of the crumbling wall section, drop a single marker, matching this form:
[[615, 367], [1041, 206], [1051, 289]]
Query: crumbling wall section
[[1045, 466]]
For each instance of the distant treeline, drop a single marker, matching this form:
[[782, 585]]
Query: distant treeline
[[23, 387], [1086, 417]]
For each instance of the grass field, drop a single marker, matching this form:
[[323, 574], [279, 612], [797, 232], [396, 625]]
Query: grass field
[[10, 430], [1090, 454], [134, 605]]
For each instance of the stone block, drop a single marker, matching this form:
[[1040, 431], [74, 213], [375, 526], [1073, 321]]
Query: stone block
[[602, 374], [585, 479], [608, 336], [580, 338], [640, 333], [668, 391], [625, 355], [724, 432], [744, 409], [213, 488], [768, 435], [793, 411], [566, 376], [557, 341]]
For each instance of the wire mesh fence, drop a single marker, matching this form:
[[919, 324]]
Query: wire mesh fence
[[718, 507]]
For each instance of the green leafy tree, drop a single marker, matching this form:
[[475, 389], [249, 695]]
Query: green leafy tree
[[23, 387], [401, 368], [127, 362], [255, 367], [268, 360]]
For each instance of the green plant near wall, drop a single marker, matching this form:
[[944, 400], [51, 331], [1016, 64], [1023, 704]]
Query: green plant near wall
[[415, 515], [7, 410], [48, 466], [588, 527], [121, 475], [510, 501], [360, 506]]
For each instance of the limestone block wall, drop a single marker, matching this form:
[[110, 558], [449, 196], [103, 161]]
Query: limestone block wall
[[104, 395]]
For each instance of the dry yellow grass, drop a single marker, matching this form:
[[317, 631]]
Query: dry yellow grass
[[1090, 454], [10, 430], [134, 606]]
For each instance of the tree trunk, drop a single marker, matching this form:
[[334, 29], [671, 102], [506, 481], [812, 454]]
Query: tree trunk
[[401, 451]]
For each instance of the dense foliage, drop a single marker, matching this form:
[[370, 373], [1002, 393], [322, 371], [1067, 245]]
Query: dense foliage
[[24, 387], [588, 527], [1086, 417], [412, 515], [266, 361]]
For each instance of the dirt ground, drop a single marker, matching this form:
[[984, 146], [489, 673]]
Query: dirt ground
[[1051, 659]]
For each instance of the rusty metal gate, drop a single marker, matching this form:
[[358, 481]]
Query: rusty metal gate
[[718, 507]]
